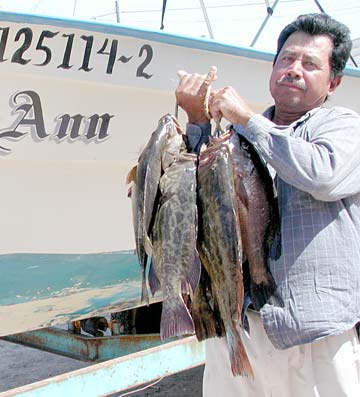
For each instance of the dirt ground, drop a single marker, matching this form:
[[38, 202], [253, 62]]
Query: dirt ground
[[20, 365]]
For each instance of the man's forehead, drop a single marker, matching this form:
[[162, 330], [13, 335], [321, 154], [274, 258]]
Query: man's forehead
[[312, 46], [305, 39], [307, 52]]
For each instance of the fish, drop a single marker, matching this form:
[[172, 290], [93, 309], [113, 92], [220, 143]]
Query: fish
[[144, 178], [207, 220], [220, 245], [258, 215], [175, 267], [205, 310]]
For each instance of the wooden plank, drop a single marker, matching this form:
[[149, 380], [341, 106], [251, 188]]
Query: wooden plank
[[120, 373]]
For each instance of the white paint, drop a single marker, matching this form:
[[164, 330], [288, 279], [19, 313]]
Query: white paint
[[70, 196]]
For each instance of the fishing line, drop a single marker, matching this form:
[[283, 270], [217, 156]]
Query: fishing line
[[142, 388], [218, 129], [206, 102]]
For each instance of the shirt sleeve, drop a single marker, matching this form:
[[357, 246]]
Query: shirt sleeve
[[197, 135], [324, 161]]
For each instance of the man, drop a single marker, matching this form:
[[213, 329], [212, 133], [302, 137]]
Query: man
[[309, 346]]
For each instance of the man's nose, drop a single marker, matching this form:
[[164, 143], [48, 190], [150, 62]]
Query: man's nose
[[294, 70]]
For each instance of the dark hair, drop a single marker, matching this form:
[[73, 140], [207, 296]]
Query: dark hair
[[316, 24]]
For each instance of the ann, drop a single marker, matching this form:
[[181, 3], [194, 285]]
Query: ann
[[30, 116]]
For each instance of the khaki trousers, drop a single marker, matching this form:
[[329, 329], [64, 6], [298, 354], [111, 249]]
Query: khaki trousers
[[329, 367]]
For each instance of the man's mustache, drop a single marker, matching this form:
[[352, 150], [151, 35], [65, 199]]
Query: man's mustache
[[291, 80]]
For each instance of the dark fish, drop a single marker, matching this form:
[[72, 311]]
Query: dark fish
[[258, 215], [175, 267], [205, 310], [219, 245], [160, 151]]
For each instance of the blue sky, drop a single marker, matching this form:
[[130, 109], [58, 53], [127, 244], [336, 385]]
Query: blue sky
[[235, 22]]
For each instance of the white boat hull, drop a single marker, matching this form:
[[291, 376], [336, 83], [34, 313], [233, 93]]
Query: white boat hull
[[62, 180]]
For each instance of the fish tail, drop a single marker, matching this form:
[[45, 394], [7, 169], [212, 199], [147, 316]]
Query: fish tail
[[142, 257], [264, 292], [240, 364], [154, 282], [175, 319], [131, 176], [144, 291], [193, 277]]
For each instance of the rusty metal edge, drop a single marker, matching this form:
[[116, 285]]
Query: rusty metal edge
[[119, 374]]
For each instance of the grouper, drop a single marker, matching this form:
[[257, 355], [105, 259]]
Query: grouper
[[220, 245], [161, 149], [258, 215], [175, 266]]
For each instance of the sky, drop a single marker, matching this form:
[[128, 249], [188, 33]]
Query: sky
[[231, 21]]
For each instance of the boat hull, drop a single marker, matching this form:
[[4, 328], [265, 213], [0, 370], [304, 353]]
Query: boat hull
[[78, 102]]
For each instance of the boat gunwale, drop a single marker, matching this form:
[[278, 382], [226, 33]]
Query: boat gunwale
[[152, 35]]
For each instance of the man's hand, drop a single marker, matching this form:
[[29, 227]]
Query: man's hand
[[228, 103], [191, 92]]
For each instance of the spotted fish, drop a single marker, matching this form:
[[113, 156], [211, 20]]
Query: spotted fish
[[162, 148], [220, 245], [175, 267]]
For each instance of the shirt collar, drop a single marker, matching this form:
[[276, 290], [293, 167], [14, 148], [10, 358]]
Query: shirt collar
[[269, 114]]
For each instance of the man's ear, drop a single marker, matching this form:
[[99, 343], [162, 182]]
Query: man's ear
[[334, 83]]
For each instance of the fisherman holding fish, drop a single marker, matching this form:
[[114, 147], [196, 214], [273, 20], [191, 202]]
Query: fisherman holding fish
[[307, 345]]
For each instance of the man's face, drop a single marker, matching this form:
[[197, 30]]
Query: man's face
[[301, 77]]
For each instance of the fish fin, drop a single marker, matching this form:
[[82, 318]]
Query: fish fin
[[205, 318], [242, 195], [131, 176], [175, 319], [273, 240], [193, 277], [240, 364], [143, 258], [144, 291], [129, 192], [148, 245], [154, 282], [262, 293], [185, 288]]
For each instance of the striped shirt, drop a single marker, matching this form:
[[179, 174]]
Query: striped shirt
[[317, 165]]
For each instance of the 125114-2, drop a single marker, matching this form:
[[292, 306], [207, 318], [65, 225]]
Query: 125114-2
[[109, 48]]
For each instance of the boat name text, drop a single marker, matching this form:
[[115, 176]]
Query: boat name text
[[27, 106], [86, 45]]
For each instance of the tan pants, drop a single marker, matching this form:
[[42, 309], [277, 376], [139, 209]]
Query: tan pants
[[329, 367]]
